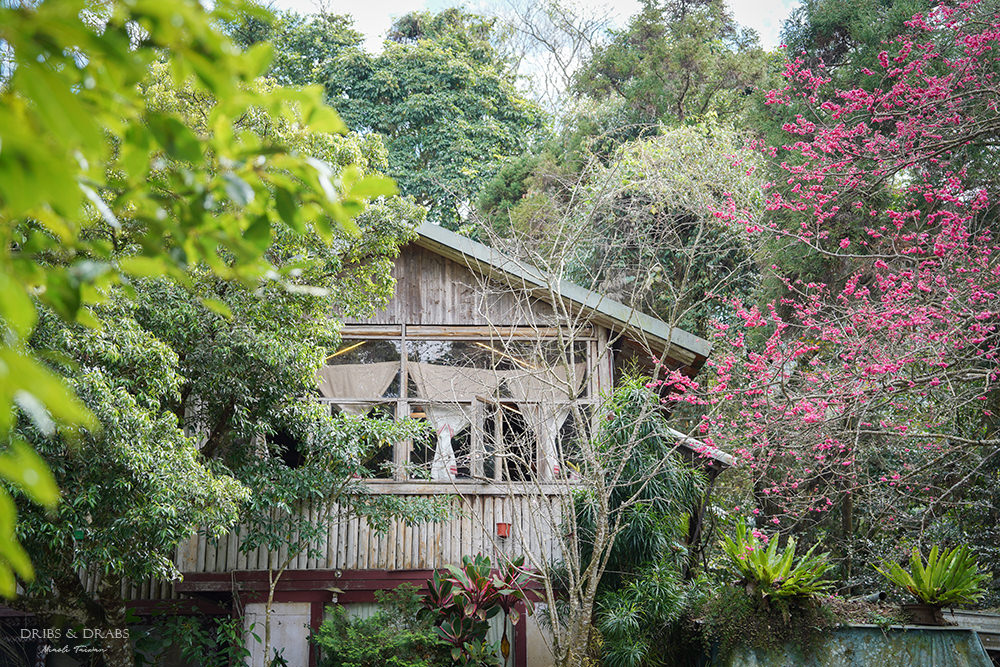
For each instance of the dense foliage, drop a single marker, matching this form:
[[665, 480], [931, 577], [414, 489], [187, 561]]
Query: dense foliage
[[734, 621], [397, 635], [653, 239], [205, 641], [83, 172], [676, 61], [863, 404], [651, 494], [178, 231], [854, 365], [440, 96], [203, 279]]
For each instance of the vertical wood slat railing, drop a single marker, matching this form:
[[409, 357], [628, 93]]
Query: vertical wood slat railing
[[351, 544]]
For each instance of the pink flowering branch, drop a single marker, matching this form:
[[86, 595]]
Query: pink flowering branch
[[877, 385]]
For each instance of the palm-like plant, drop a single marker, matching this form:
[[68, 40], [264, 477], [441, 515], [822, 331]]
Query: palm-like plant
[[773, 574], [949, 578]]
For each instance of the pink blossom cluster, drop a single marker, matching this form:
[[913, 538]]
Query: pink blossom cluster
[[875, 382]]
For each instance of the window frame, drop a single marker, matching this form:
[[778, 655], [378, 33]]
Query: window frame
[[404, 403]]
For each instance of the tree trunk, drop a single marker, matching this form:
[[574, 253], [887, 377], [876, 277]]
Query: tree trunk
[[114, 638], [117, 647], [847, 526], [272, 583]]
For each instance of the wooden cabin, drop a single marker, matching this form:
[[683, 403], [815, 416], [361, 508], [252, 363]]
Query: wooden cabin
[[503, 363]]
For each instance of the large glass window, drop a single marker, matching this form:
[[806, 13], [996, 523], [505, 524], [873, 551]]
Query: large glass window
[[361, 374], [498, 409]]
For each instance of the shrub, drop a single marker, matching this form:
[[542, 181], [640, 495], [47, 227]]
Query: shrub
[[460, 605], [769, 574], [951, 578], [394, 636], [734, 618], [640, 621], [774, 586], [200, 640]]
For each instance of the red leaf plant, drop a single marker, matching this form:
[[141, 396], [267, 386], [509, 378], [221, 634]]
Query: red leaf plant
[[462, 601]]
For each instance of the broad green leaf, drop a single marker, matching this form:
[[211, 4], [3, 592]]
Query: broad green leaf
[[20, 372], [134, 152], [10, 550], [8, 585], [374, 186], [52, 221], [16, 307], [86, 317], [143, 267], [325, 119], [258, 58], [57, 106], [287, 210], [174, 137], [258, 234], [24, 468], [62, 292], [217, 306]]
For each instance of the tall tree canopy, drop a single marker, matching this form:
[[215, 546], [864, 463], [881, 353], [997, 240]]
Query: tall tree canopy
[[676, 60], [179, 270], [865, 405], [846, 35], [304, 46], [445, 102]]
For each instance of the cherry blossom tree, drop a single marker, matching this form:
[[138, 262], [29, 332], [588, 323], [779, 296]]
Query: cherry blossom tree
[[863, 405]]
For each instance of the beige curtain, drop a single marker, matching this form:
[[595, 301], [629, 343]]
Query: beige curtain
[[451, 387], [356, 381], [541, 397]]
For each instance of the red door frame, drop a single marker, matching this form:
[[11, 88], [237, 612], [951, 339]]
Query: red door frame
[[321, 588]]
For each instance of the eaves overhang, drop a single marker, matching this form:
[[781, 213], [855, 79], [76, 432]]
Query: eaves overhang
[[659, 337]]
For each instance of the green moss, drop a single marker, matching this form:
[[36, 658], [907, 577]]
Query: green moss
[[734, 619]]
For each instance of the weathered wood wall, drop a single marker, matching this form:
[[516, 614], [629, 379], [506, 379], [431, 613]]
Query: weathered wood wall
[[350, 544], [431, 289], [150, 588]]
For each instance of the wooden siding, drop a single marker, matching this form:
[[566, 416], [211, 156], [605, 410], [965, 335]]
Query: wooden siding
[[431, 289], [351, 544], [149, 588]]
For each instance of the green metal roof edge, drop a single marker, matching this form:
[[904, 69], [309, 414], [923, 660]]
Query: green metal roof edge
[[627, 317]]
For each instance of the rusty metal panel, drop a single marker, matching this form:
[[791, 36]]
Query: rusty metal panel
[[867, 646]]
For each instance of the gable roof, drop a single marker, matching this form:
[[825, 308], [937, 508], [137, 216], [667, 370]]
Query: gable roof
[[661, 338]]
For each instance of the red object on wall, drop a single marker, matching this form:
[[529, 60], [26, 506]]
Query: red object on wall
[[503, 530]]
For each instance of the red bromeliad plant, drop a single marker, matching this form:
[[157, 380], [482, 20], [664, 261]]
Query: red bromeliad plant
[[871, 391], [462, 602]]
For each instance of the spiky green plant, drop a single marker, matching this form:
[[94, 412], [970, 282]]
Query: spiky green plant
[[773, 574], [949, 578]]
